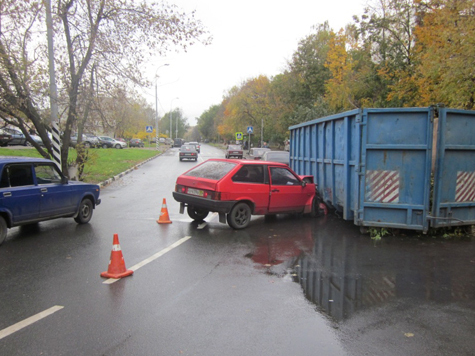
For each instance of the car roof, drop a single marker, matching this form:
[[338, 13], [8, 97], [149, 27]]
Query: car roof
[[276, 153], [248, 162], [13, 159]]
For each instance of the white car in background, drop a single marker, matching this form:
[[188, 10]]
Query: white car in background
[[107, 141]]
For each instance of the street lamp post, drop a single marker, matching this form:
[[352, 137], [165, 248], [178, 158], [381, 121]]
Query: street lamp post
[[157, 143], [171, 132]]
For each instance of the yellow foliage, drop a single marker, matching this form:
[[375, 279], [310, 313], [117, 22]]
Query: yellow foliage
[[339, 94]]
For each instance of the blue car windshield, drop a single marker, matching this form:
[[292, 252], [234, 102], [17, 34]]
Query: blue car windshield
[[214, 170]]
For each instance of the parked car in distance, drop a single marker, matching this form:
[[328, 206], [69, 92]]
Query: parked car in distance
[[37, 139], [107, 141], [136, 142], [257, 152], [197, 146], [238, 189], [73, 141], [234, 151], [169, 141], [188, 152], [276, 156], [93, 140], [17, 137], [5, 137], [34, 189], [177, 142]]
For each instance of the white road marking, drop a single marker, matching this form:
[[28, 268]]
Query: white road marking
[[31, 320], [151, 258]]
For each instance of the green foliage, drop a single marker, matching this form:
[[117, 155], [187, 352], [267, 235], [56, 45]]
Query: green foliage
[[376, 233], [103, 163]]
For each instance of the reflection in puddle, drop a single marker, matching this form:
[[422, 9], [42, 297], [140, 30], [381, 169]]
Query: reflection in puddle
[[342, 271]]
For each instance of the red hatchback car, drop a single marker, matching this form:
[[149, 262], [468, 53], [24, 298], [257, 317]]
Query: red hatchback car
[[238, 189]]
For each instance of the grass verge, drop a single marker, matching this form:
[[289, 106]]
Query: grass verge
[[101, 164]]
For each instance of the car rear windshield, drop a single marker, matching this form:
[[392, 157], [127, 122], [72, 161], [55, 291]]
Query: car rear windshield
[[211, 170]]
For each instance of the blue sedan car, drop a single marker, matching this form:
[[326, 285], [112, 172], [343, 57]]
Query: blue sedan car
[[34, 189]]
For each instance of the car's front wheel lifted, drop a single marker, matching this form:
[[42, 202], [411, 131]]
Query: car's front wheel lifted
[[240, 216], [196, 213], [318, 207], [85, 212]]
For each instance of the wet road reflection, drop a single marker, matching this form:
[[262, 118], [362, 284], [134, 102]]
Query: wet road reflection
[[342, 271]]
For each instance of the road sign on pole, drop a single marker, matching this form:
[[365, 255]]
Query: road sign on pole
[[250, 129], [238, 136], [148, 129]]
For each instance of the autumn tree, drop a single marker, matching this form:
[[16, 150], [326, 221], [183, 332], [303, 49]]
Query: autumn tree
[[250, 105], [446, 53], [110, 38], [206, 122], [339, 92], [386, 31]]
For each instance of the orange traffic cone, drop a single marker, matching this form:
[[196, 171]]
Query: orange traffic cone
[[164, 218], [116, 264]]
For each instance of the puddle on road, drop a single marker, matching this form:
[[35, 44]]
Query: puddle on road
[[342, 271]]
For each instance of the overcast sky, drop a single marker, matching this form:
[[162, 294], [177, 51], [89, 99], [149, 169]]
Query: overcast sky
[[250, 38]]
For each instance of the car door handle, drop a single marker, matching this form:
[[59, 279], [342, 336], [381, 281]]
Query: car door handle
[[7, 194], [44, 190], [275, 190]]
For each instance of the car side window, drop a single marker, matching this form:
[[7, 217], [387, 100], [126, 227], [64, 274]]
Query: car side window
[[19, 175], [282, 176], [47, 174], [250, 174], [4, 181]]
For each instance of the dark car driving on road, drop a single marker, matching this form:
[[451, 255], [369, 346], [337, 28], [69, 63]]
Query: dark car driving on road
[[188, 152], [234, 151], [34, 189], [238, 189]]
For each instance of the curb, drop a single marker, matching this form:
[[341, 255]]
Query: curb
[[120, 175]]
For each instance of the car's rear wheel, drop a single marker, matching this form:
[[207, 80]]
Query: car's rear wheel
[[240, 216], [118, 146], [85, 211], [3, 230], [196, 213], [104, 146]]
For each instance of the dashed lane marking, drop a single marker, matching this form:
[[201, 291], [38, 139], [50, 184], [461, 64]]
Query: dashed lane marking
[[151, 258], [31, 320]]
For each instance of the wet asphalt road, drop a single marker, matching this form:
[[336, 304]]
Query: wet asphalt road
[[288, 286]]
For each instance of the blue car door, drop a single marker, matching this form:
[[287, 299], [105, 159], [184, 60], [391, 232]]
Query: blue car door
[[19, 195], [56, 197]]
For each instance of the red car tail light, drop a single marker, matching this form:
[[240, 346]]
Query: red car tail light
[[180, 189]]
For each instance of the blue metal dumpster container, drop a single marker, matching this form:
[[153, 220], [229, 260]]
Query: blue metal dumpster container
[[454, 171], [374, 165]]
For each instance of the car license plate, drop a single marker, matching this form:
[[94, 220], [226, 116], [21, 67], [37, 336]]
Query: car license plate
[[195, 192]]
